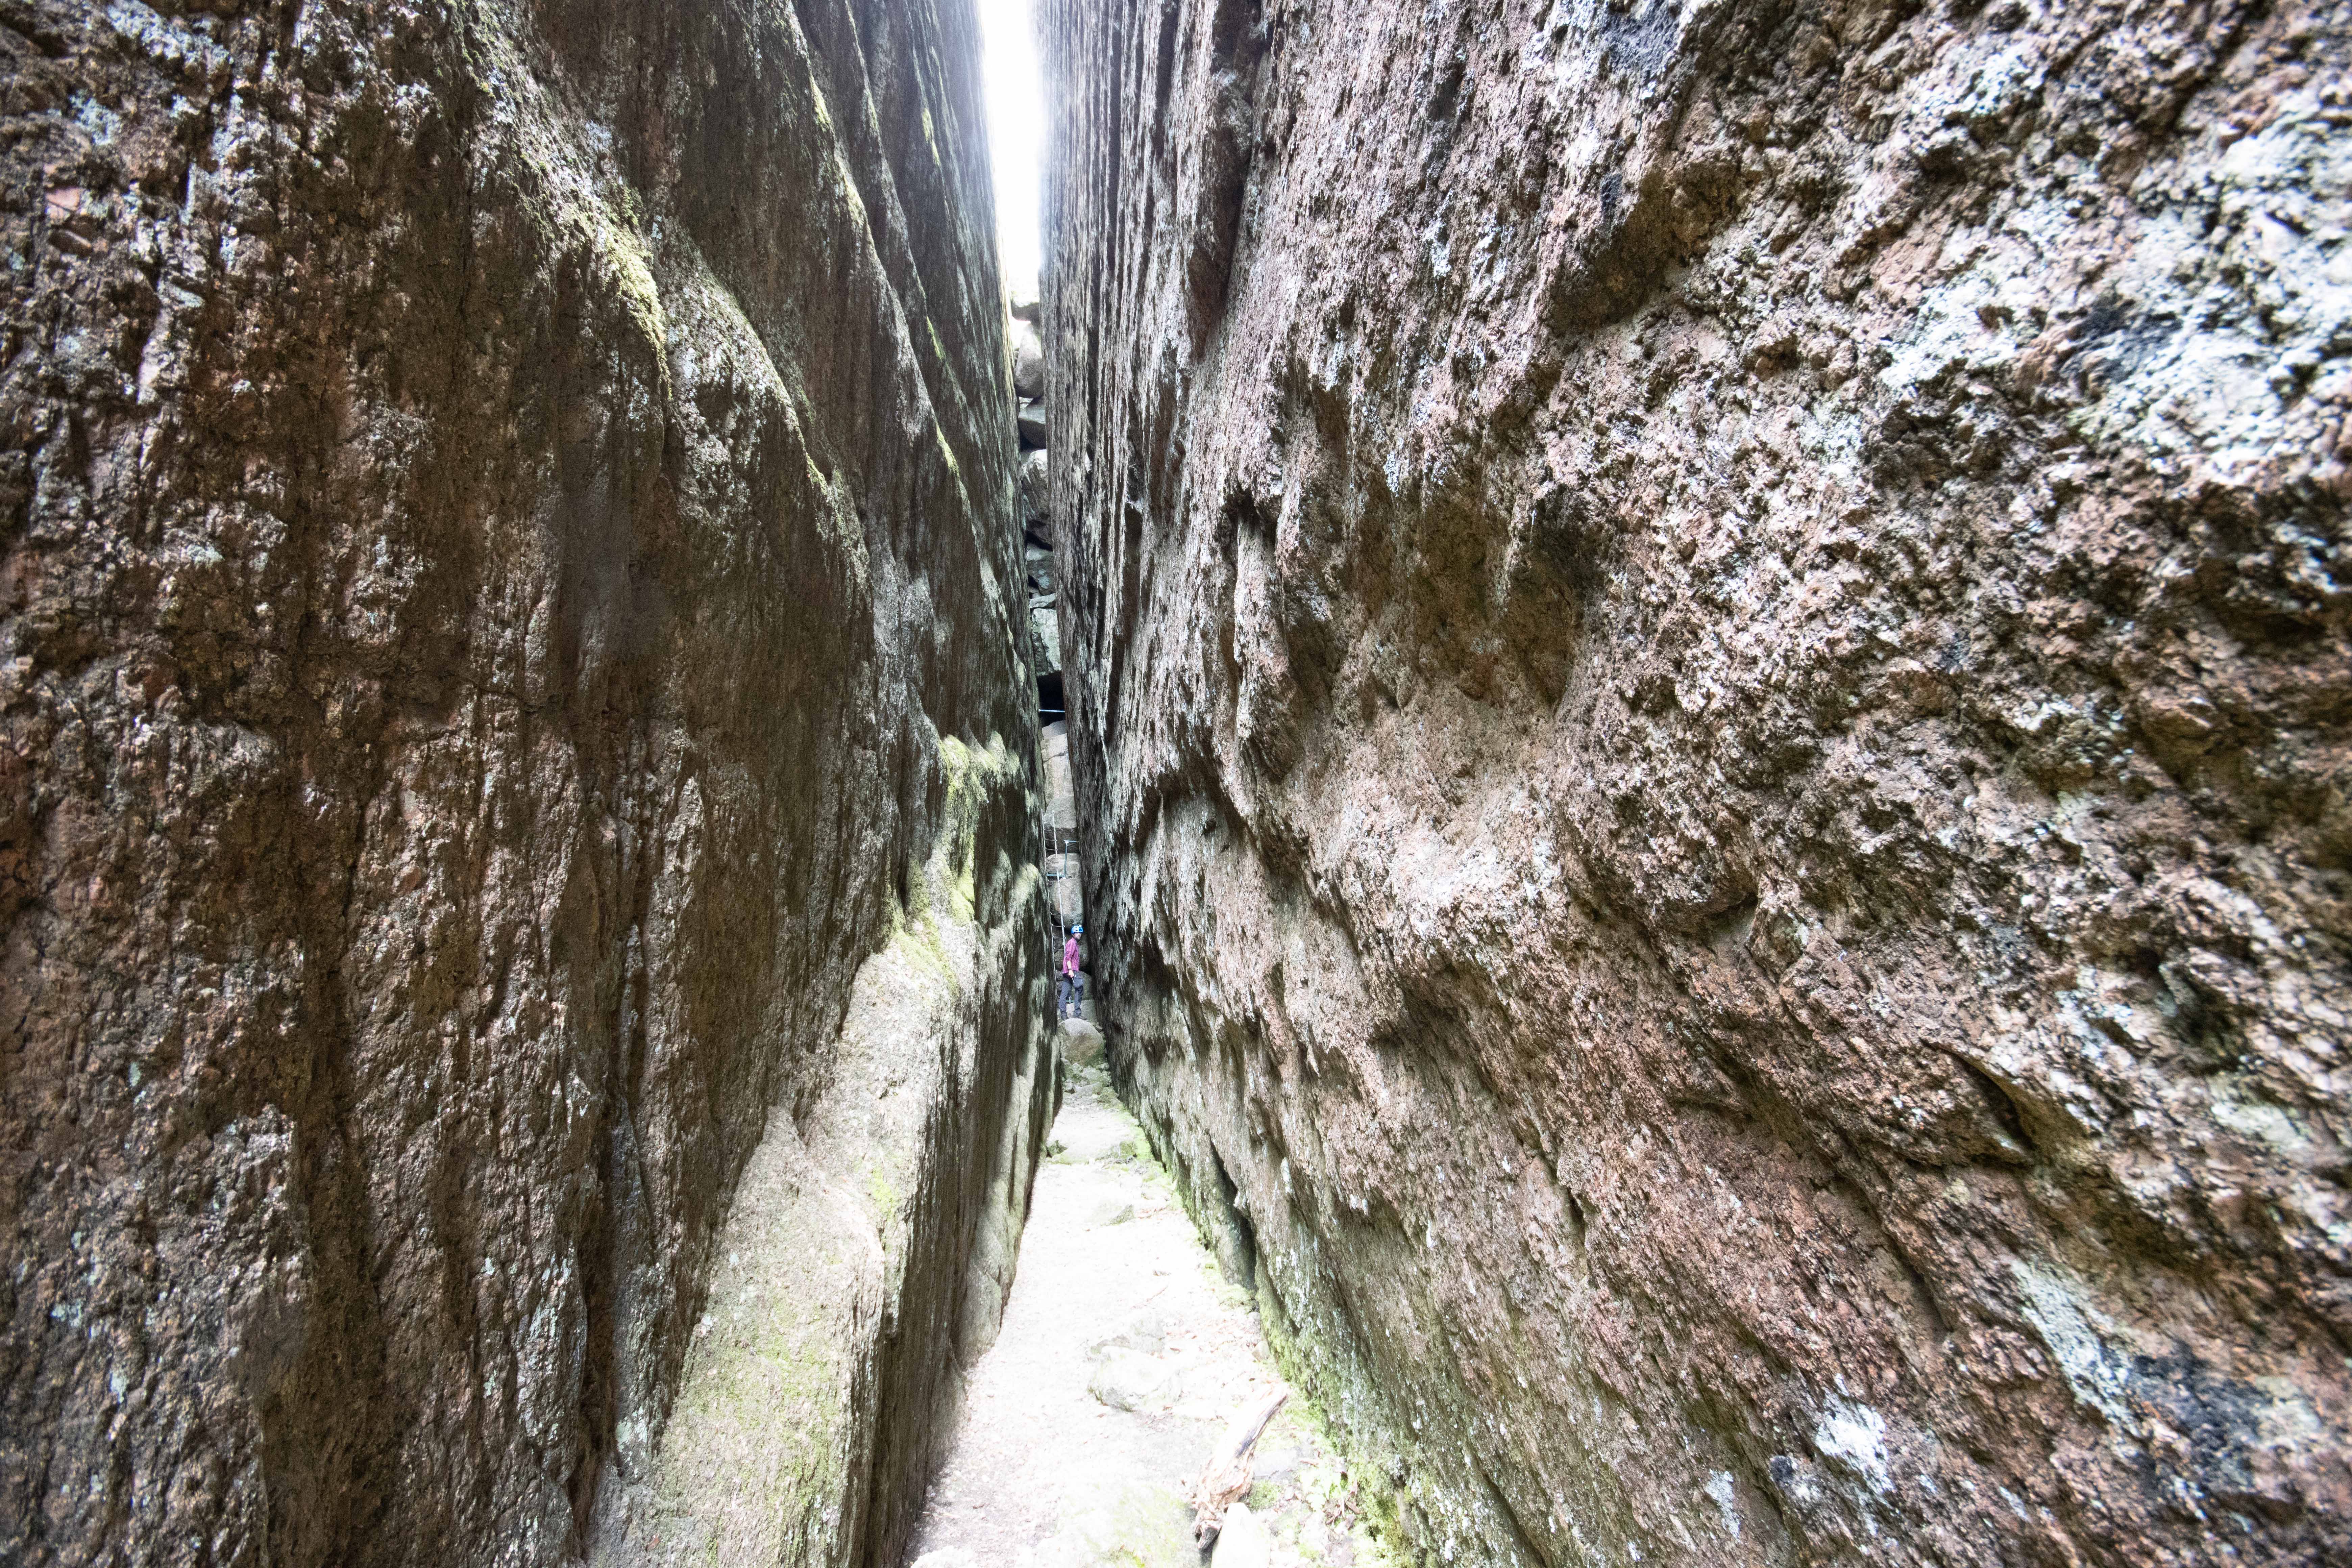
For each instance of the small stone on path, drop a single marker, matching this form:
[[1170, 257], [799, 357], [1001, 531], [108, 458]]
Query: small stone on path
[[1127, 1380], [1243, 1542]]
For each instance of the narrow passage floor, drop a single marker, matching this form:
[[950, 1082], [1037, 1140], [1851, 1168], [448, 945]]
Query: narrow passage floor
[[1123, 1355]]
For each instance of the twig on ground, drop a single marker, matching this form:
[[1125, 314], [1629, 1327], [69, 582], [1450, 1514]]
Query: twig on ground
[[1225, 1479]]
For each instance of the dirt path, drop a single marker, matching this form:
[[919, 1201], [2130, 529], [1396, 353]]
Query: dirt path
[[1122, 1356]]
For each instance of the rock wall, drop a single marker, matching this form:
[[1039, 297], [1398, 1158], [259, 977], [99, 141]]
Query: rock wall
[[514, 726], [1707, 646], [1036, 538]]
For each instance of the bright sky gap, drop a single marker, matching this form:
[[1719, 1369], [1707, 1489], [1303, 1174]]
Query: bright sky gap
[[1015, 93]]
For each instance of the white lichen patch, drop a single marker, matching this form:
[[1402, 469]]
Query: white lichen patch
[[1853, 1437]]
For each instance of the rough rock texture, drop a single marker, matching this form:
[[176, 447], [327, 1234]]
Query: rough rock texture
[[818, 1392], [1708, 656], [1062, 867], [1029, 422], [512, 719]]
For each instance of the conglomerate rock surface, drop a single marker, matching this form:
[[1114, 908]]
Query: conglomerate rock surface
[[515, 724], [1708, 665]]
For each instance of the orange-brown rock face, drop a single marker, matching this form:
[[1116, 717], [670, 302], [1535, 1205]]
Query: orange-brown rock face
[[1708, 658], [514, 704]]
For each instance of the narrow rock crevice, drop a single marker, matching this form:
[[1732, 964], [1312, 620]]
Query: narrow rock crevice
[[1614, 752]]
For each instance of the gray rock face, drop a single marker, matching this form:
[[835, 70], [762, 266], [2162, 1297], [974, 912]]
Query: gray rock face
[[1034, 482], [1708, 664], [1062, 866], [1028, 360], [1038, 563], [513, 743], [1046, 634]]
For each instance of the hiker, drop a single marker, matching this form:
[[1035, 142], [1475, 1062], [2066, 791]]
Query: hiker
[[1074, 984]]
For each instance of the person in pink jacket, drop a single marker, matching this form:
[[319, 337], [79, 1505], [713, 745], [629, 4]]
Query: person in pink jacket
[[1074, 984]]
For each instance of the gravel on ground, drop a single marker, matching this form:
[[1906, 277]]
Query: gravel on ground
[[1123, 1355]]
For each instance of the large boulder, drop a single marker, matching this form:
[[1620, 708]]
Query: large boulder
[[1037, 564], [1082, 1042], [1035, 479], [1046, 637], [1028, 360]]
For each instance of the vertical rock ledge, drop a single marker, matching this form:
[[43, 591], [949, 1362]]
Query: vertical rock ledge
[[524, 1024], [1709, 680]]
